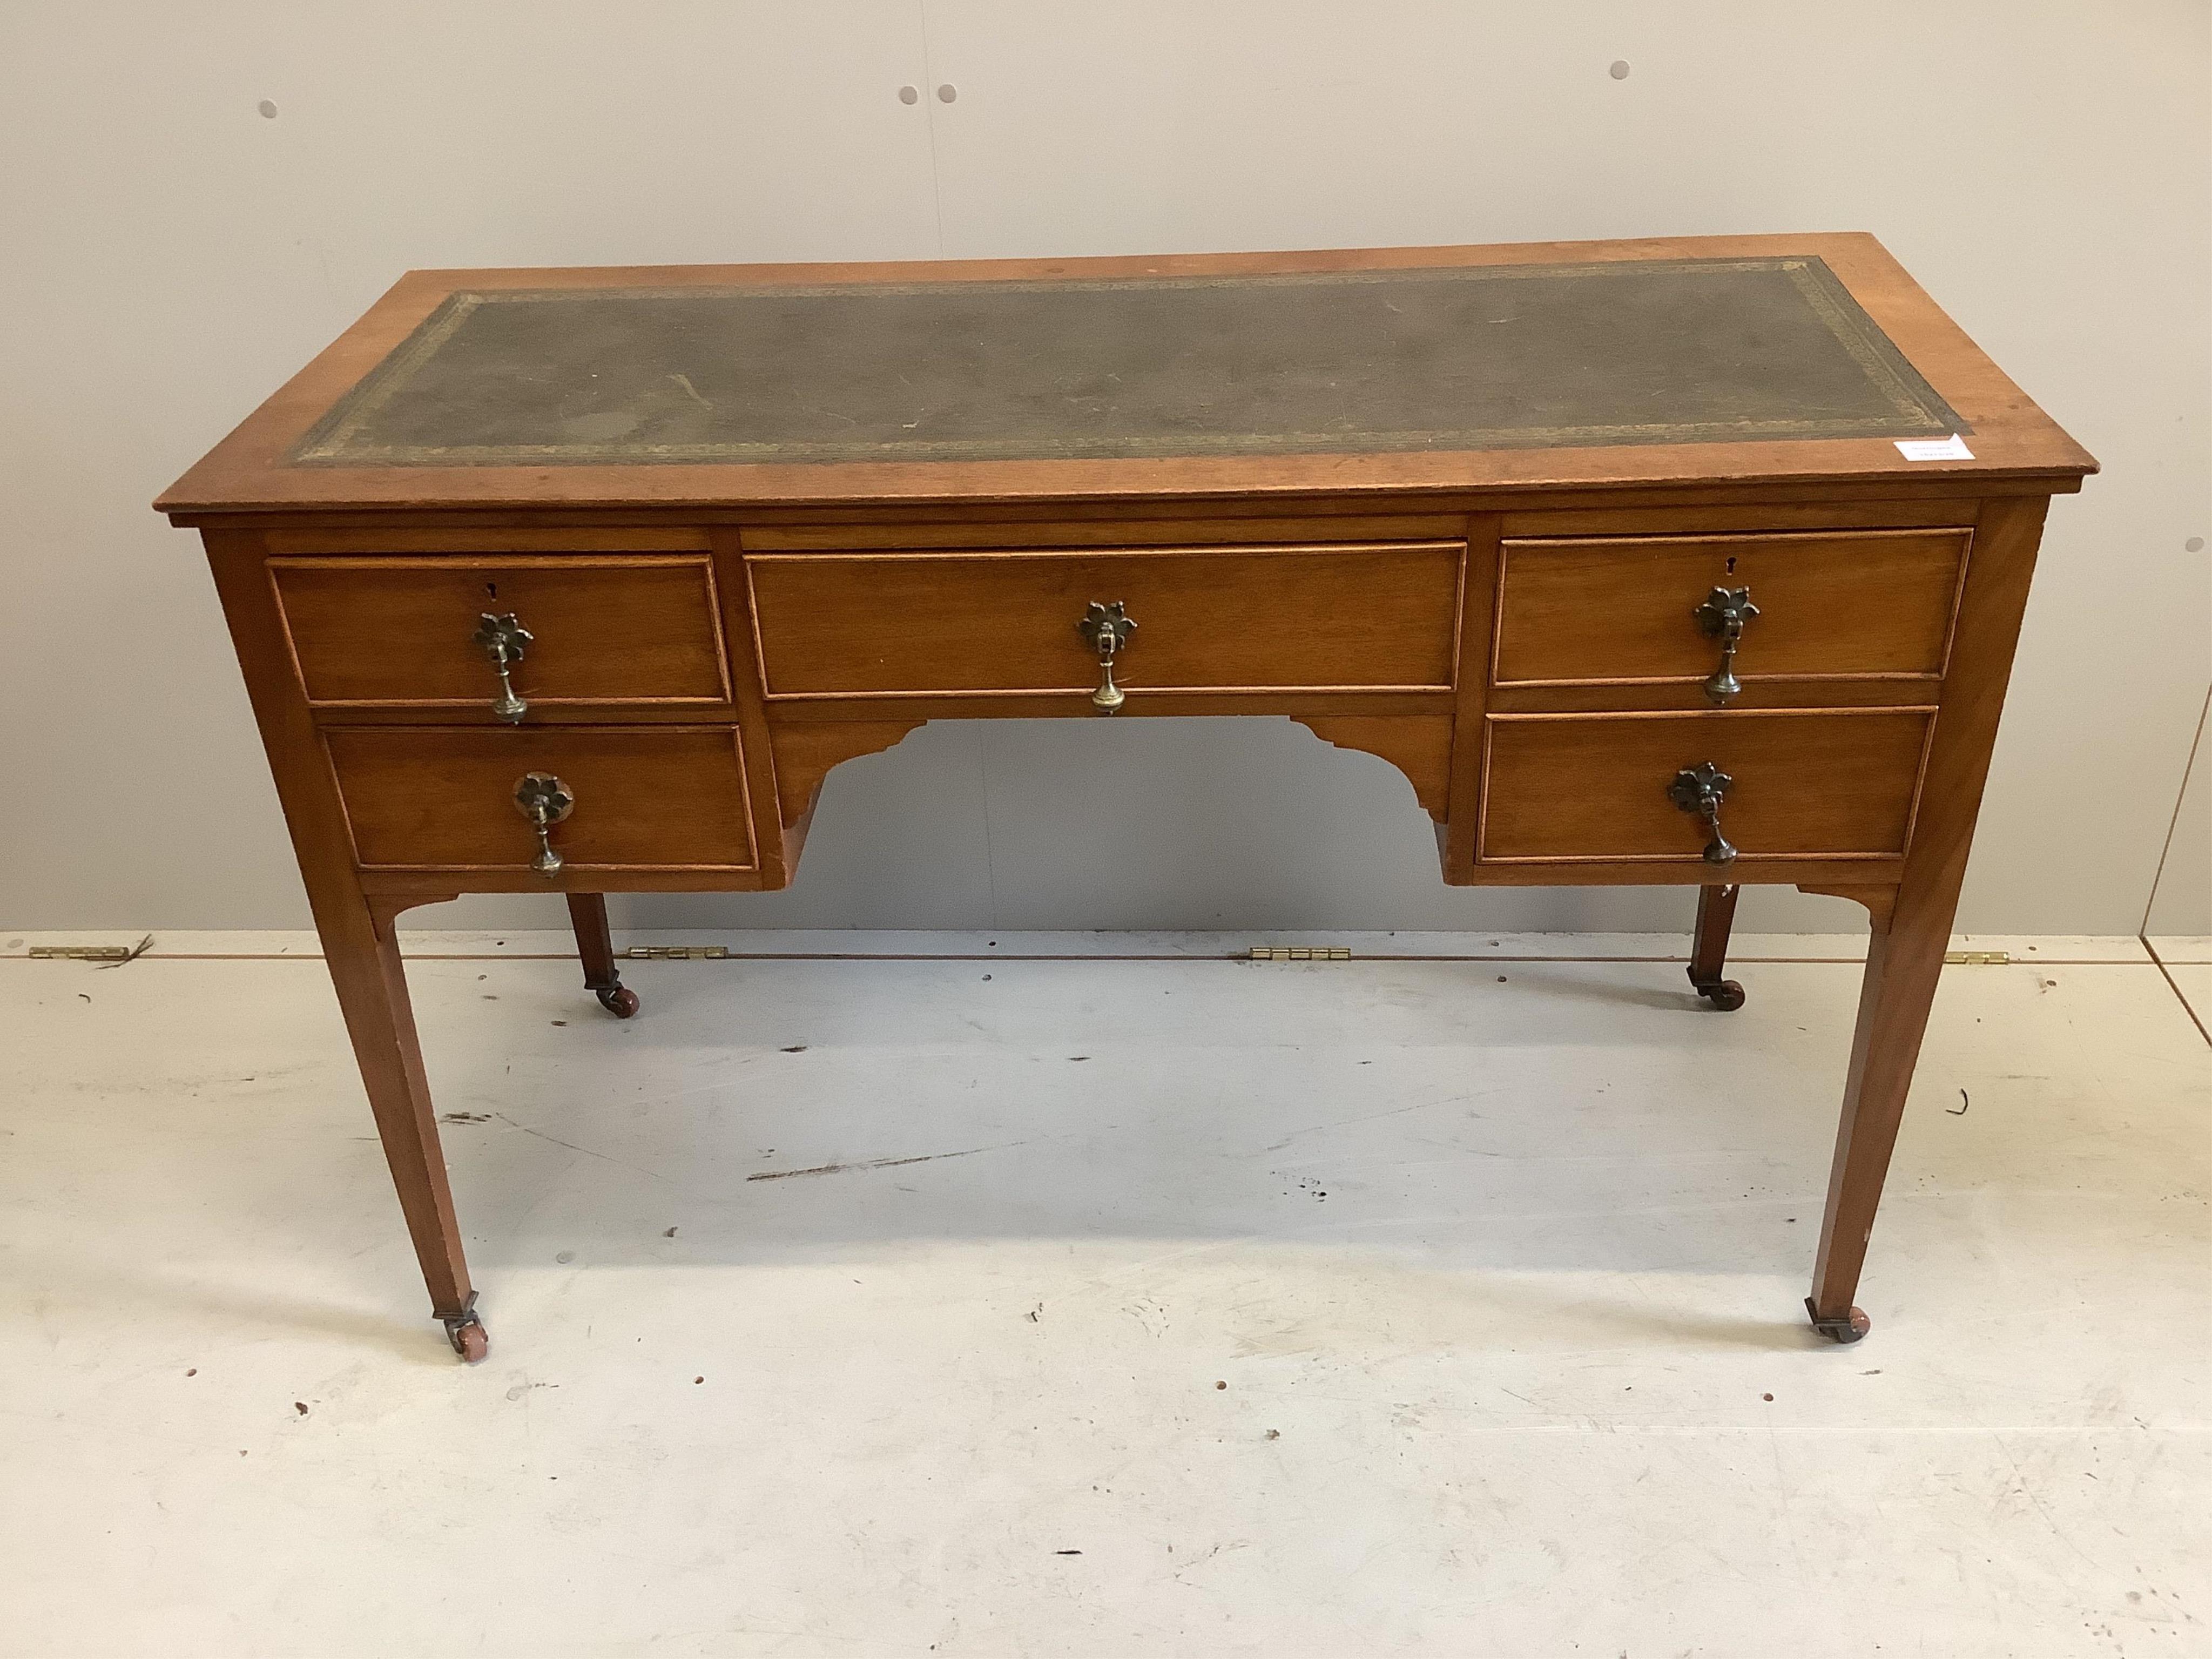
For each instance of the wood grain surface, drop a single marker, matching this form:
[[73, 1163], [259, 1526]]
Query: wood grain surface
[[646, 798], [1807, 785], [1619, 611], [1356, 617], [608, 630]]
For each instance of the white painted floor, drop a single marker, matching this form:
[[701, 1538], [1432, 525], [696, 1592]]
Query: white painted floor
[[992, 1305]]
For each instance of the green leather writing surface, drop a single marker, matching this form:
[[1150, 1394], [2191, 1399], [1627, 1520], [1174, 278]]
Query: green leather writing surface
[[1470, 357]]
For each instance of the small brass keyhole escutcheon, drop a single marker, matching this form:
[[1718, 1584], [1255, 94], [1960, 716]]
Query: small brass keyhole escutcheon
[[1106, 628], [1700, 790], [544, 800], [503, 639], [1723, 615]]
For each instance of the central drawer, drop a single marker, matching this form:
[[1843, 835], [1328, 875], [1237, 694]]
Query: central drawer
[[1372, 616], [443, 797]]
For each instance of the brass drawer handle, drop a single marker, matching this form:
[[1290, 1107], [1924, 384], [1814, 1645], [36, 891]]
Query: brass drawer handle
[[1723, 614], [544, 800], [1699, 791], [504, 640], [1106, 628]]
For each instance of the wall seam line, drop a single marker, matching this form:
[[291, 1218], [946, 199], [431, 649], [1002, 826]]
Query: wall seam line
[[2173, 823]]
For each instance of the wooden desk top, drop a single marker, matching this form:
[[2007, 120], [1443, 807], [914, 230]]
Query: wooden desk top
[[1460, 371]]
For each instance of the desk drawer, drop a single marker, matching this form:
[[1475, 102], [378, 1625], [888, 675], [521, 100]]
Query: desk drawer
[[1802, 785], [655, 798], [400, 631], [1369, 618], [1620, 610]]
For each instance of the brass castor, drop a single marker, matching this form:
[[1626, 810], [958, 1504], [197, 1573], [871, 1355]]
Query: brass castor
[[618, 1000], [1849, 1328], [465, 1331], [1726, 995]]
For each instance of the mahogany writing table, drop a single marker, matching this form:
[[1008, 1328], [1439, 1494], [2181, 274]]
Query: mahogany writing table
[[1696, 561]]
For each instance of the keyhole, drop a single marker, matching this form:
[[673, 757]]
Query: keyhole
[[1731, 569], [491, 589]]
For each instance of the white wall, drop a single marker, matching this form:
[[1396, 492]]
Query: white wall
[[168, 255]]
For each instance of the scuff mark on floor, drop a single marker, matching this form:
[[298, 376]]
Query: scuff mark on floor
[[1198, 1561], [1373, 1117], [876, 1162], [638, 1168]]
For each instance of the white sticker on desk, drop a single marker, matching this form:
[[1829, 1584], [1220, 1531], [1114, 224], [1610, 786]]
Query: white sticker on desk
[[1953, 448]]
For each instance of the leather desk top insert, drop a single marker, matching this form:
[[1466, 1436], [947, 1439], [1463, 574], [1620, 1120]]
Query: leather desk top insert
[[1641, 562], [1475, 357]]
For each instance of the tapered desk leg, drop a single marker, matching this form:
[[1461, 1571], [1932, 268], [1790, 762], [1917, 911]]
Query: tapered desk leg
[[1912, 928], [595, 947], [372, 987], [1904, 960], [1709, 953]]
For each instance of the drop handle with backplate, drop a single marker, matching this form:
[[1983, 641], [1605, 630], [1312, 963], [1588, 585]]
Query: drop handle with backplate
[[1698, 791], [504, 640], [544, 800], [1723, 614], [1106, 628]]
